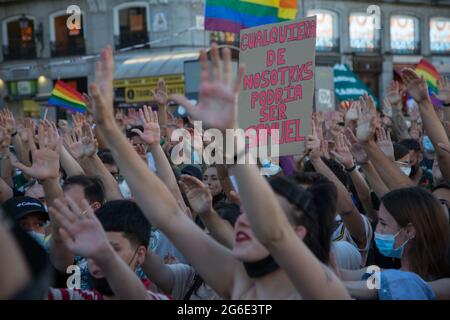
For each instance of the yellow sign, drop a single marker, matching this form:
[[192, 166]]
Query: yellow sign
[[140, 89]]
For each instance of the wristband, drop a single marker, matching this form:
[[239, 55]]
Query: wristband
[[446, 105], [351, 169], [12, 135]]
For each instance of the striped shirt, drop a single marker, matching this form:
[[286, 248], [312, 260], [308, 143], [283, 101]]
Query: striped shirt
[[79, 294]]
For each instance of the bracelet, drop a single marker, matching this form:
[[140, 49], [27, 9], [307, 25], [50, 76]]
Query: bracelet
[[12, 135], [446, 105], [351, 169]]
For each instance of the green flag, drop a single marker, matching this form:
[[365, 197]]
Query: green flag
[[348, 86]]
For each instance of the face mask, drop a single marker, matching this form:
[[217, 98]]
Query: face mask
[[427, 144], [261, 268], [406, 170], [385, 244], [39, 237], [414, 170], [101, 285]]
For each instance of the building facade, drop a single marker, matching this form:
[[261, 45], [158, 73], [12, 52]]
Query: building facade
[[377, 48], [41, 43]]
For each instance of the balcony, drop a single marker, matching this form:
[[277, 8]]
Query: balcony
[[74, 47], [131, 38], [19, 50]]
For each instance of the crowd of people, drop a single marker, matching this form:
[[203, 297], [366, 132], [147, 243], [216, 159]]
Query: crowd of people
[[96, 209]]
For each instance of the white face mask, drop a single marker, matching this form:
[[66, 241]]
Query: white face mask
[[406, 170]]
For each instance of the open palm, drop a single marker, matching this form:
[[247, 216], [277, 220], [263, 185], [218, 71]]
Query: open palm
[[46, 158], [80, 229], [152, 131], [198, 195], [217, 106]]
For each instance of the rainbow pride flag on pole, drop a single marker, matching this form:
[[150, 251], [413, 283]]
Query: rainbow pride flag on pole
[[66, 97], [431, 75], [234, 15]]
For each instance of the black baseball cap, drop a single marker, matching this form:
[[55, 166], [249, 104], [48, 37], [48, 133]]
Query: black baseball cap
[[192, 170], [19, 207]]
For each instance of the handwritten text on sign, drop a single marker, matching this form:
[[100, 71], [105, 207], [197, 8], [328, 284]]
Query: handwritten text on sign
[[277, 90]]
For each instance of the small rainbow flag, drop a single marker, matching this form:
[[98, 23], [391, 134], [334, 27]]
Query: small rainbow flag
[[66, 97], [431, 75], [234, 15]]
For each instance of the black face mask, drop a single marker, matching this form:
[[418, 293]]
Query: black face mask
[[101, 285], [261, 268], [414, 170]]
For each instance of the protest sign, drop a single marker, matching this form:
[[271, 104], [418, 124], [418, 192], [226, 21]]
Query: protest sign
[[278, 86]]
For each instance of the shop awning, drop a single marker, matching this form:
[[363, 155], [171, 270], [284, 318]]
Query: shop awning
[[130, 66]]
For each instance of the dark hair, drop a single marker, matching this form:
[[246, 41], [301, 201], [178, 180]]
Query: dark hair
[[314, 208], [334, 166], [130, 134], [428, 253], [411, 144], [442, 185], [399, 151], [92, 186], [106, 157], [125, 216]]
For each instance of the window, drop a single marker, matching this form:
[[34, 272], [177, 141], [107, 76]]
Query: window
[[131, 24], [440, 35], [363, 35], [65, 41], [327, 32], [405, 34], [19, 38]]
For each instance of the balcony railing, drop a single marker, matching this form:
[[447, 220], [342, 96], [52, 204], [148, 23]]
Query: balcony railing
[[75, 46], [18, 50], [131, 38]]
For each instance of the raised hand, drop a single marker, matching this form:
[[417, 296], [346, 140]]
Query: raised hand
[[80, 146], [393, 94], [197, 193], [356, 149], [102, 89], [444, 90], [149, 118], [160, 93], [313, 144], [46, 157], [352, 113], [387, 108], [342, 152], [384, 142], [80, 229], [367, 120], [217, 106], [416, 86]]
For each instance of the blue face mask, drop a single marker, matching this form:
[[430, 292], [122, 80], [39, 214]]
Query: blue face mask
[[385, 244]]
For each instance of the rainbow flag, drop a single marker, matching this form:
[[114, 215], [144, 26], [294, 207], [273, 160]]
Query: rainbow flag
[[66, 97], [431, 75], [234, 15]]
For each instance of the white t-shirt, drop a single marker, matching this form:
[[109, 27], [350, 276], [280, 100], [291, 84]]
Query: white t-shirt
[[347, 256], [183, 282], [342, 234]]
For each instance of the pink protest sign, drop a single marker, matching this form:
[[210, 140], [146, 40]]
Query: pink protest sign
[[278, 86]]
